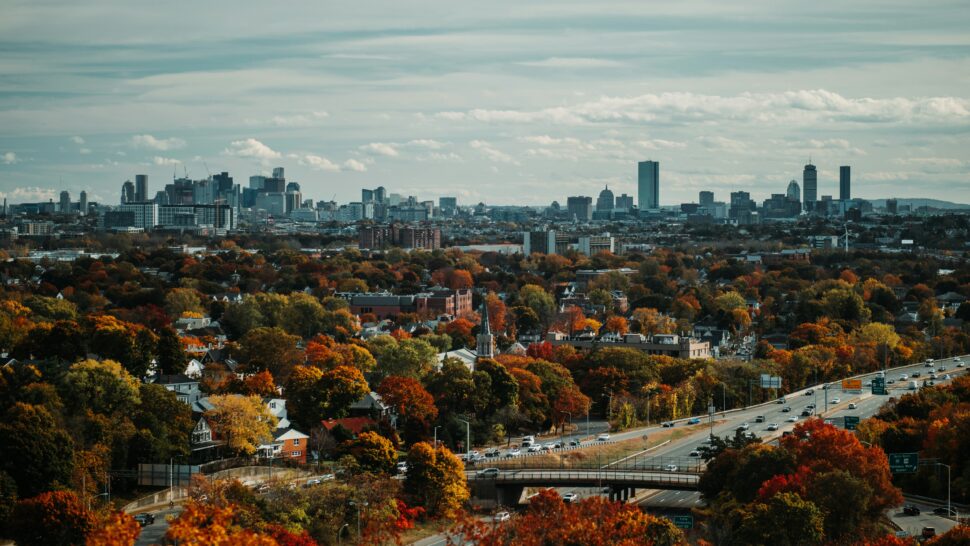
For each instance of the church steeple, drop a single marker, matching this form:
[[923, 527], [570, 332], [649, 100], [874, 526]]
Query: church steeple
[[485, 346]]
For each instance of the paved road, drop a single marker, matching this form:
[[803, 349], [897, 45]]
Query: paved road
[[152, 534], [914, 524]]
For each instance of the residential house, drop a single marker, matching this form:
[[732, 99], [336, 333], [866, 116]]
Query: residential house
[[184, 387], [288, 443]]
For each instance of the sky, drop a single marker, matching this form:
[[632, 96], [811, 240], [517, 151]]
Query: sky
[[505, 102]]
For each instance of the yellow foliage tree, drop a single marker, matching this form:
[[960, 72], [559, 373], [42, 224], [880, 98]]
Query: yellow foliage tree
[[244, 422]]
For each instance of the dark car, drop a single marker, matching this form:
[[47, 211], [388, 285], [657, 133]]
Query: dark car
[[145, 519], [806, 413], [942, 511], [911, 510]]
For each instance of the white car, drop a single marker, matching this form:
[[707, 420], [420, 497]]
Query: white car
[[773, 426], [603, 437], [903, 377], [670, 468], [402, 467], [514, 452], [694, 453], [570, 497], [960, 364], [744, 426], [535, 448], [501, 516], [852, 405], [792, 419], [836, 400]]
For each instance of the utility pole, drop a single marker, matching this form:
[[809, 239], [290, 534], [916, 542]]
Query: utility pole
[[468, 438]]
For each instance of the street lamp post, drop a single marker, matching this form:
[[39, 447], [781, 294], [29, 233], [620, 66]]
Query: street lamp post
[[436, 436], [340, 533], [357, 506], [468, 438]]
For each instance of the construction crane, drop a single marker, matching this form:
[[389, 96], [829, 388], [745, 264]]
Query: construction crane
[[207, 171]]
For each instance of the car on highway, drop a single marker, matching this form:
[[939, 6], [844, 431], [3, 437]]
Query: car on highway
[[670, 468], [829, 422], [780, 400], [807, 412], [759, 419], [535, 448], [402, 467], [487, 473], [852, 405], [890, 381], [915, 375], [694, 453], [772, 426], [911, 510], [786, 409], [490, 453], [575, 443], [809, 392], [693, 421], [501, 516], [810, 406], [903, 377], [667, 424], [959, 362], [603, 437], [792, 419], [743, 426], [570, 497], [836, 400], [928, 532], [514, 452], [942, 511], [946, 377], [145, 519]]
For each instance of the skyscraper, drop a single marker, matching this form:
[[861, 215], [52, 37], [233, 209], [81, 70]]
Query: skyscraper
[[141, 187], [845, 191], [810, 187], [65, 202], [278, 173], [648, 184], [127, 192], [366, 196], [581, 207], [794, 192], [84, 203], [605, 201], [624, 202], [706, 198]]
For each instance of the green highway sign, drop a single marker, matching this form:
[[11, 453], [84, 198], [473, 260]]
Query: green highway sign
[[903, 463], [879, 385], [684, 522], [851, 422]]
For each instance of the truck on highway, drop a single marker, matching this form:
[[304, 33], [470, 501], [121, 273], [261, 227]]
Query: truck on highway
[[913, 385]]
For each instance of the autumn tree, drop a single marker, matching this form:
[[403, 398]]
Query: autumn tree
[[114, 529], [436, 480], [102, 386], [171, 357], [53, 517], [270, 349], [315, 394], [244, 422], [539, 301], [496, 312], [406, 358], [548, 520], [373, 452], [213, 525], [617, 325], [785, 519], [182, 301], [411, 402]]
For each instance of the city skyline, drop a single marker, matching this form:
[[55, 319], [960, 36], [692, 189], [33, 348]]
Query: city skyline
[[489, 100]]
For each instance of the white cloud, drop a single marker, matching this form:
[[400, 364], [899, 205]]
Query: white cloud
[[426, 143], [491, 153], [806, 107], [84, 151], [161, 144], [160, 161], [381, 148], [354, 165], [253, 148], [77, 140], [9, 158], [319, 163], [29, 194], [722, 143], [296, 120], [572, 62]]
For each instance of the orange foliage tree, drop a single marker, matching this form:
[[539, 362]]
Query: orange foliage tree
[[617, 325], [496, 313], [116, 529], [54, 517], [211, 525], [593, 521]]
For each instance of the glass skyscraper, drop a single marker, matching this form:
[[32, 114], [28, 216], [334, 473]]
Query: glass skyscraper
[[648, 184]]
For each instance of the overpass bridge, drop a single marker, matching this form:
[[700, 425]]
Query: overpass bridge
[[621, 478]]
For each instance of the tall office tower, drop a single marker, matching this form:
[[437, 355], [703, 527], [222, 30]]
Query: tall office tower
[[648, 184], [278, 173], [605, 201], [127, 192], [581, 207], [892, 206], [84, 203], [448, 205], [623, 202], [65, 202], [706, 199], [257, 182], [845, 190], [223, 182], [366, 196], [293, 197], [141, 187], [380, 195], [794, 192], [810, 187]]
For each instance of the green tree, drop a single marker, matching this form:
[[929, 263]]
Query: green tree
[[785, 520], [179, 301], [303, 315], [103, 387], [539, 301], [37, 453], [405, 358], [171, 358], [163, 425], [239, 318]]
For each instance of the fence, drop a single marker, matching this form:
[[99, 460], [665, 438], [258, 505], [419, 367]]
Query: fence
[[628, 478]]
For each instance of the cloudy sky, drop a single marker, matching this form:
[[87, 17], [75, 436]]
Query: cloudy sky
[[507, 102]]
